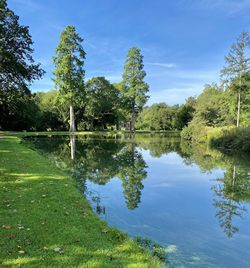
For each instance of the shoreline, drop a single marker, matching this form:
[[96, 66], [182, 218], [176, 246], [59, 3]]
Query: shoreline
[[46, 222]]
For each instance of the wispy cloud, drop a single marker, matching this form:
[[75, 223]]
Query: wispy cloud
[[176, 95], [45, 84], [160, 64], [28, 4], [112, 76], [228, 7]]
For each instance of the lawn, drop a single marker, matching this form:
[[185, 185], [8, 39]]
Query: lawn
[[46, 222]]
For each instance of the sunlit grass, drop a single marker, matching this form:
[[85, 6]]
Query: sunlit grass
[[45, 221]]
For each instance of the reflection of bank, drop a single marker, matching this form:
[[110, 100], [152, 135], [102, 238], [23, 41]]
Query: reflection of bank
[[230, 192], [73, 146]]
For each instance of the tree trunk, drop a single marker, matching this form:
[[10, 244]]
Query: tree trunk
[[72, 127], [132, 124], [238, 111]]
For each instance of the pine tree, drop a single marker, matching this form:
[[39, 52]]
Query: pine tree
[[69, 72], [134, 87]]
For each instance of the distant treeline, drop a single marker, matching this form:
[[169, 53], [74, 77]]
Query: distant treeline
[[100, 105]]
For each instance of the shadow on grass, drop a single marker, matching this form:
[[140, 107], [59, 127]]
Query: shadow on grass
[[45, 221]]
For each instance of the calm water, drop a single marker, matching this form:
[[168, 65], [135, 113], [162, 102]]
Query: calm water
[[194, 201]]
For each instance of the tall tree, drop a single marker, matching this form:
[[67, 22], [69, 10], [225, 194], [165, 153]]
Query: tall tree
[[237, 65], [69, 72], [17, 67], [134, 87]]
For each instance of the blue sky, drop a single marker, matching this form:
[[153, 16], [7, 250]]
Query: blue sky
[[183, 41]]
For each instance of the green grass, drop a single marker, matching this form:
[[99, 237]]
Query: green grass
[[27, 133], [46, 222], [232, 139]]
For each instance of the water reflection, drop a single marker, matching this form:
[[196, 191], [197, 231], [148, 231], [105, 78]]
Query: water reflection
[[229, 193], [72, 146], [99, 160]]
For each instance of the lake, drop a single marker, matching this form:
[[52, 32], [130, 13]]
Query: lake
[[193, 200]]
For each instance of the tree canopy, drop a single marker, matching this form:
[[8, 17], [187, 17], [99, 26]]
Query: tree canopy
[[17, 66], [69, 72]]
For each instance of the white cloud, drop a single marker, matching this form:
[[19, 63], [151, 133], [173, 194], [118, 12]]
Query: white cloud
[[187, 74], [160, 64], [174, 95]]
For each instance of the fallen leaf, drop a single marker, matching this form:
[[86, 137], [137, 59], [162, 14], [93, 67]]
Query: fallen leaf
[[6, 226]]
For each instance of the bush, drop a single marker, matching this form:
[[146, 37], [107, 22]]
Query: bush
[[195, 132], [233, 139]]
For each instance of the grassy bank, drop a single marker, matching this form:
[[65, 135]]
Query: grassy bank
[[120, 132], [222, 138], [233, 139], [45, 221]]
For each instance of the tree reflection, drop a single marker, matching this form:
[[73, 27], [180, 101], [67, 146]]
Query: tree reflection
[[100, 159], [229, 193], [72, 146], [131, 172]]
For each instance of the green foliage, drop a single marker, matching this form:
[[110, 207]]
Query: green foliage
[[227, 105], [234, 139], [102, 103], [163, 117], [153, 247], [49, 116], [238, 64], [18, 110], [69, 72], [195, 131], [17, 70], [17, 67], [237, 60], [209, 108], [134, 88]]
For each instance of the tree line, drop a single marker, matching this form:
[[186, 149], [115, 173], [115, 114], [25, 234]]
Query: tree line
[[97, 104], [226, 104], [73, 104]]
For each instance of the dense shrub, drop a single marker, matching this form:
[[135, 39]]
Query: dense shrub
[[232, 139]]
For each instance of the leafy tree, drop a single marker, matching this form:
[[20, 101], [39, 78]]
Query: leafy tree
[[69, 72], [18, 110], [17, 70], [160, 116], [103, 100], [122, 112], [208, 106], [134, 86], [49, 118], [17, 67], [184, 114], [238, 64]]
